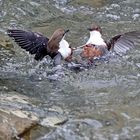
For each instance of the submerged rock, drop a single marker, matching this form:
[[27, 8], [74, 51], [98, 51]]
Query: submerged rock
[[5, 42], [54, 121], [6, 49]]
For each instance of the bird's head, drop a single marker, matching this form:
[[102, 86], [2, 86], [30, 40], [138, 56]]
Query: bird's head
[[95, 27], [64, 48]]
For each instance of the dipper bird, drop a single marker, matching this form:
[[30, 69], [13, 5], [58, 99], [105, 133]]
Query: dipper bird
[[96, 46], [36, 43]]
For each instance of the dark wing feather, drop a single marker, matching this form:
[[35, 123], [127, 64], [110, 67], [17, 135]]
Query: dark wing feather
[[124, 42], [32, 42]]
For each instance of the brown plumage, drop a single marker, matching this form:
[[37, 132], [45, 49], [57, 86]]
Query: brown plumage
[[90, 51], [53, 43]]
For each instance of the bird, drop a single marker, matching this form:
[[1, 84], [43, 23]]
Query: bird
[[97, 47], [39, 45]]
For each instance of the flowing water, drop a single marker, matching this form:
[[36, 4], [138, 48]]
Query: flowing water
[[101, 103]]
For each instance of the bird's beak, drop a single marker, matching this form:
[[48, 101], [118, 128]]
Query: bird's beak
[[89, 29], [66, 31]]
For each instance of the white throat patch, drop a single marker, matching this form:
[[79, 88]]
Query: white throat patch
[[64, 49], [95, 38]]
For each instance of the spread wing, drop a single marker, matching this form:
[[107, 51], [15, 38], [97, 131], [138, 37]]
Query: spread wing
[[32, 42], [124, 42]]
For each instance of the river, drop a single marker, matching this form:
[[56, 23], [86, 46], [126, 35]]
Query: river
[[101, 103]]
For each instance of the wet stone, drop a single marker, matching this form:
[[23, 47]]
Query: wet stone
[[21, 117], [15, 122], [13, 126]]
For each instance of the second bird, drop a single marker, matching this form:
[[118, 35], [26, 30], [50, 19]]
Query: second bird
[[96, 46]]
